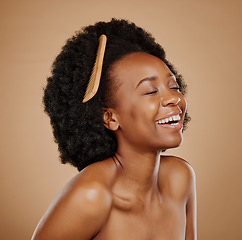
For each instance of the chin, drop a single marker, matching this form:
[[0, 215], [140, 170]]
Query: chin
[[173, 143]]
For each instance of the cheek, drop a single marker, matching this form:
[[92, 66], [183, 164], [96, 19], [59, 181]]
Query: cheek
[[137, 111], [144, 113], [183, 104], [144, 108], [152, 106]]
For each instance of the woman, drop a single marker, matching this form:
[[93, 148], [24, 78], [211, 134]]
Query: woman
[[125, 189]]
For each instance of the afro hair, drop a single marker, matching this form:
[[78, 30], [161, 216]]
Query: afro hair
[[78, 127]]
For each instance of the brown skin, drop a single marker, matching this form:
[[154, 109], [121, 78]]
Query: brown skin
[[142, 195]]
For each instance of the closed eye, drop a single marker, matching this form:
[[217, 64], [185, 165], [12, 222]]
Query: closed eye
[[175, 88], [153, 92]]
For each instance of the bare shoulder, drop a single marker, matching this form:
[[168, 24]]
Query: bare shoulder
[[177, 177], [81, 208], [177, 165]]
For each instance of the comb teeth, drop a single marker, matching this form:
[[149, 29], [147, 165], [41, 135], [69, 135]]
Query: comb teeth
[[94, 79]]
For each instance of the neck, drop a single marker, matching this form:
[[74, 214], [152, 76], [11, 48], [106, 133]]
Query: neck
[[138, 171]]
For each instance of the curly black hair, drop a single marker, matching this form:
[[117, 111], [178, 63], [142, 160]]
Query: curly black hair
[[78, 127]]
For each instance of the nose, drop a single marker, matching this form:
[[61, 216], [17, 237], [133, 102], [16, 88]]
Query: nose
[[170, 98]]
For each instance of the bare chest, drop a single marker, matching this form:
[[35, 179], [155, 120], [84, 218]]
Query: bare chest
[[164, 222]]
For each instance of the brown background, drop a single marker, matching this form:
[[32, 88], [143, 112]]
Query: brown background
[[202, 38]]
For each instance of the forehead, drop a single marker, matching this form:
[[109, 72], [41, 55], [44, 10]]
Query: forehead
[[136, 66]]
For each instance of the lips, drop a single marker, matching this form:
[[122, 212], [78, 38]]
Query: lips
[[172, 122]]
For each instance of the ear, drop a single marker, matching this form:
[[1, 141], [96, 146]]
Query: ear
[[110, 120]]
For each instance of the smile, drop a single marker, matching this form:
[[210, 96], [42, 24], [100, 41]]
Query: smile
[[173, 120]]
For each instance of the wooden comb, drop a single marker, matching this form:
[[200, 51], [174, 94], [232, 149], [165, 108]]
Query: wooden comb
[[94, 79]]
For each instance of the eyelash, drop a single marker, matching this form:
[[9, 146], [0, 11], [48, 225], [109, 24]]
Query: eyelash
[[153, 92], [176, 88]]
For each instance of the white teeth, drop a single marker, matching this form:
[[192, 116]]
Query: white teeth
[[176, 118], [170, 119]]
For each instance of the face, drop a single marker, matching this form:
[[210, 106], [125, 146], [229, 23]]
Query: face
[[149, 107]]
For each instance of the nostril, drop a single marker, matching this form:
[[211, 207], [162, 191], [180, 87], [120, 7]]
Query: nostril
[[170, 99]]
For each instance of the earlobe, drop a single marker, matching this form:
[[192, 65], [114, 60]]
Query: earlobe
[[110, 120]]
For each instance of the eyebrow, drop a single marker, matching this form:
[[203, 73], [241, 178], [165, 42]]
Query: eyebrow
[[146, 79], [152, 78]]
